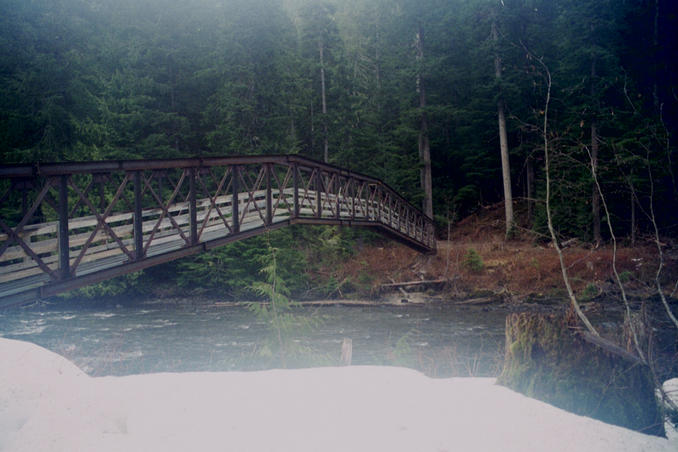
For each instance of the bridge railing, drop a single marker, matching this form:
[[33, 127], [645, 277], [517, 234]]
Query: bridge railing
[[63, 221]]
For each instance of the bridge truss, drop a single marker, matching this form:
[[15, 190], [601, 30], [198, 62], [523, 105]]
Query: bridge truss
[[67, 225]]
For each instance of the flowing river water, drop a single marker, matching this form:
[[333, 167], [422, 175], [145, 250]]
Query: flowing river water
[[185, 335], [181, 335]]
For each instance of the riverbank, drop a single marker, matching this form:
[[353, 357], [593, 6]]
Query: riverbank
[[474, 265], [48, 404], [477, 262]]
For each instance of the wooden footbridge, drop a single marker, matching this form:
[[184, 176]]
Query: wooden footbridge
[[67, 225]]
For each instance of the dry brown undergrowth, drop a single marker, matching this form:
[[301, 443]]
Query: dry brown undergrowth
[[517, 268]]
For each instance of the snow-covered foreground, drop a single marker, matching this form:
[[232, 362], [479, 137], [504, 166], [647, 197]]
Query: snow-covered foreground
[[48, 404]]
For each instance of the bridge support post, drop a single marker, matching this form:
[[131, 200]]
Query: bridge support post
[[295, 175], [235, 176], [192, 208], [337, 191], [380, 202], [407, 220], [318, 200], [64, 252], [390, 210], [269, 197], [138, 218]]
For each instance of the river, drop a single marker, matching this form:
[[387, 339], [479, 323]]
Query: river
[[181, 335]]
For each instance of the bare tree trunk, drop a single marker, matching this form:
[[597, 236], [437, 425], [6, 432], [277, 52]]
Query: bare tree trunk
[[321, 49], [530, 189], [173, 78], [503, 142], [633, 220], [377, 57], [595, 197], [312, 111], [655, 43], [424, 145]]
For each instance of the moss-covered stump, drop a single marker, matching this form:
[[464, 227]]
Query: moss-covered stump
[[546, 360]]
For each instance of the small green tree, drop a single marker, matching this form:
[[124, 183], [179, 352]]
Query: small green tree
[[278, 311], [473, 262]]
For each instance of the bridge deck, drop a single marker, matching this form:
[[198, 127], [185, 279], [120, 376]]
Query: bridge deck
[[177, 208]]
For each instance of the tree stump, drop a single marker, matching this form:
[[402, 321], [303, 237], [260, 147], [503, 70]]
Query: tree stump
[[547, 361], [346, 351]]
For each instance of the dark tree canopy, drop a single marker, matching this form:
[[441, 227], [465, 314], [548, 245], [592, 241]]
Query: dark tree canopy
[[114, 79]]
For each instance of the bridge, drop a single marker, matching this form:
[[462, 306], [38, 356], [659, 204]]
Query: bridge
[[67, 225]]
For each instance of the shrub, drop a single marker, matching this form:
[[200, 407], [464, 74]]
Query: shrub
[[472, 261]]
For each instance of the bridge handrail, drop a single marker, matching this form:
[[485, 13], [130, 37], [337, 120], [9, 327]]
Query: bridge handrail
[[103, 166]]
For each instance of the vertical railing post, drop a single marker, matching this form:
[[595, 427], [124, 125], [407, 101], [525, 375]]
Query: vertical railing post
[[24, 197], [160, 177], [102, 196], [318, 200], [138, 218], [64, 252], [351, 191], [235, 176], [407, 221], [390, 210], [269, 195], [337, 186], [424, 231], [380, 202], [295, 173], [371, 195], [192, 208], [431, 234], [400, 215]]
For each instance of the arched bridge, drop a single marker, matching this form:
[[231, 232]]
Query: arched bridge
[[67, 225]]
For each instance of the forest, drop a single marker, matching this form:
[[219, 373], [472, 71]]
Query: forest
[[456, 104]]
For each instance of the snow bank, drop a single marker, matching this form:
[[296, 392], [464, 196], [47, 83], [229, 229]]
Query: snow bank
[[47, 404]]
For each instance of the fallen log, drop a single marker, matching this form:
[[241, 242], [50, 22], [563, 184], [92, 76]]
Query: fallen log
[[610, 347], [476, 301], [397, 285]]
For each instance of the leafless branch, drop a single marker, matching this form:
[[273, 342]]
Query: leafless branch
[[566, 279], [627, 307], [660, 252]]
